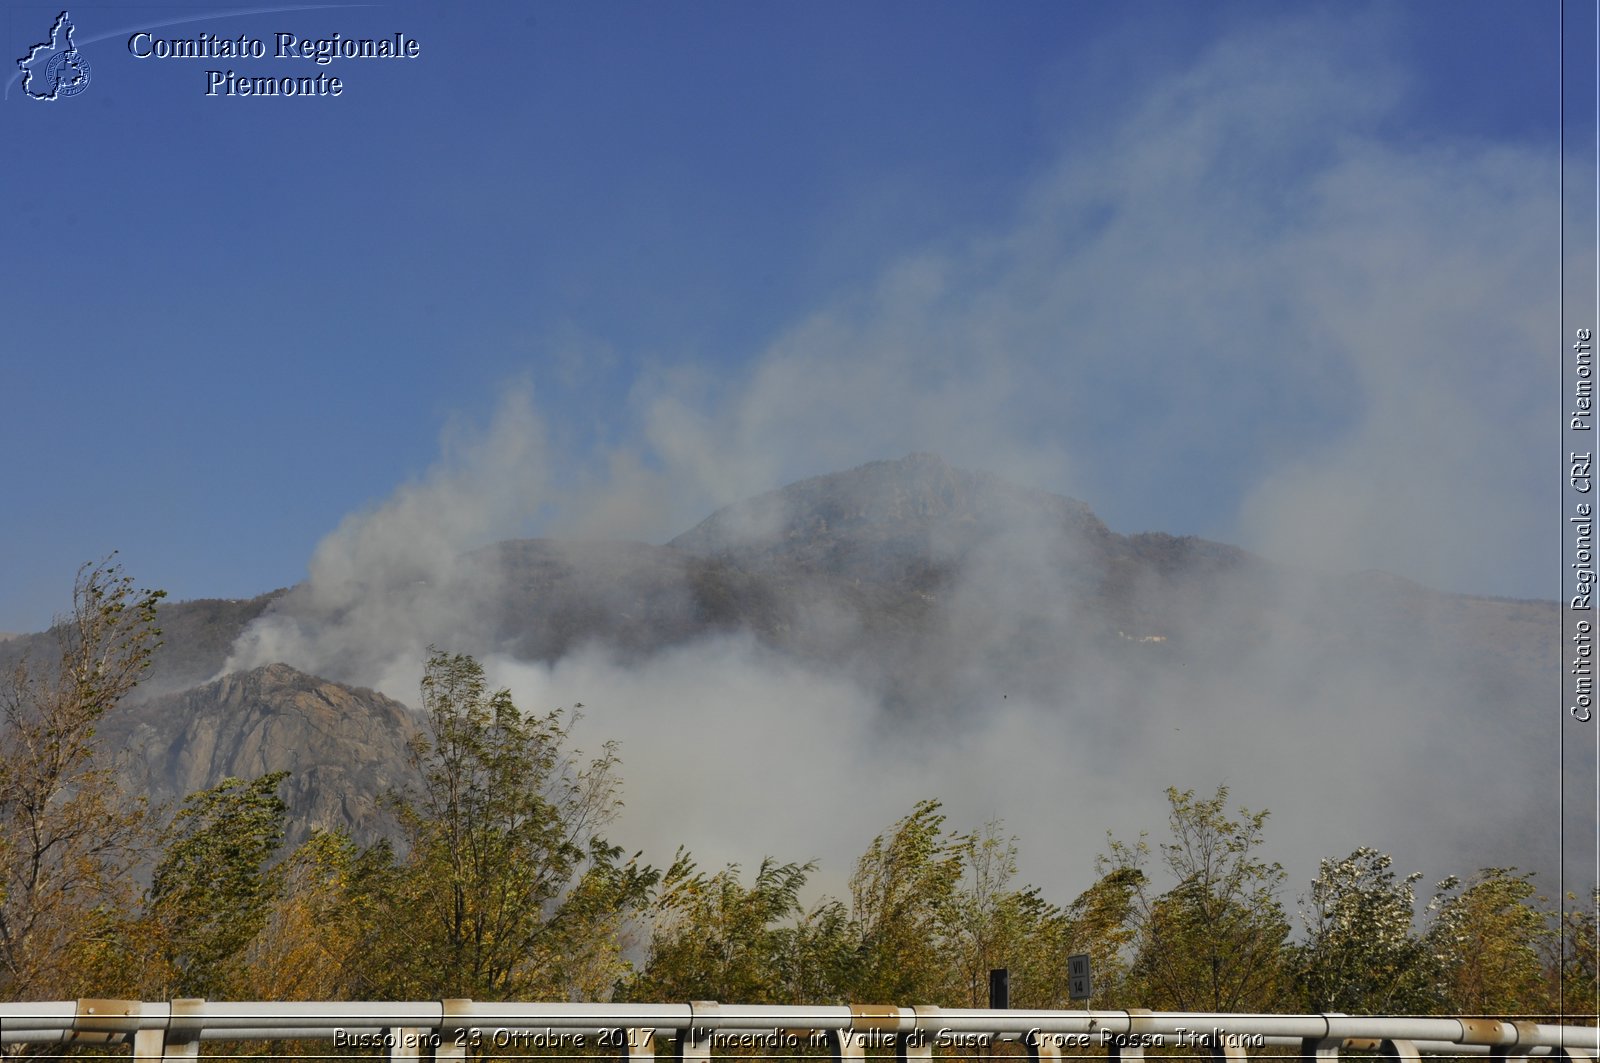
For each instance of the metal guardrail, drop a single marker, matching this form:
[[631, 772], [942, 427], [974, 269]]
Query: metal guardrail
[[452, 1029]]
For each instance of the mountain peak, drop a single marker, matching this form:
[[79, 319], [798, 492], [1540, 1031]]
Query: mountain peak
[[903, 499]]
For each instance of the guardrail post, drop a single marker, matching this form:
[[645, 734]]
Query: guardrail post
[[185, 1020], [638, 1046], [1399, 1051], [849, 1045], [846, 1046], [1226, 1049], [1043, 1047], [405, 1044], [1130, 1047], [917, 1045], [1526, 1032], [693, 1045], [1319, 1049], [147, 1046], [455, 1017]]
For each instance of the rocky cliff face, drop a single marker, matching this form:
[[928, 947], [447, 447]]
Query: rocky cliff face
[[345, 747]]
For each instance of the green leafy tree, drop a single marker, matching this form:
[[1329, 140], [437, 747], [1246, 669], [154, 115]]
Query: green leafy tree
[[68, 838], [718, 939], [816, 955], [994, 924], [1574, 958], [588, 933], [1215, 941], [984, 915], [903, 896], [1488, 939], [1360, 954], [1101, 922], [328, 899], [304, 941], [507, 872], [211, 892]]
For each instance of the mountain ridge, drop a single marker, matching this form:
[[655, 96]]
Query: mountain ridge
[[935, 593]]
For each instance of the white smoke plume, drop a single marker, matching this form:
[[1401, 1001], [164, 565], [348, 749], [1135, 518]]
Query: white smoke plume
[[1241, 282], [389, 581]]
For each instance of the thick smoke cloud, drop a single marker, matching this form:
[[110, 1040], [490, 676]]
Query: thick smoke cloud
[[390, 581], [1240, 283]]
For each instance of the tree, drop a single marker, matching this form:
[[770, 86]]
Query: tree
[[718, 939], [506, 872], [211, 892], [1360, 954], [1216, 940], [1101, 922], [983, 912], [902, 894], [816, 955], [307, 946], [589, 932], [1487, 940], [67, 837], [995, 925], [1574, 961]]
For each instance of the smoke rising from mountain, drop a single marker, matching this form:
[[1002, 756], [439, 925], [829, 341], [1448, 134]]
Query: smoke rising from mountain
[[1239, 272], [389, 581]]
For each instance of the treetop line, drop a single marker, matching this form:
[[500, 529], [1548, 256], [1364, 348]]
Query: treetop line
[[503, 885]]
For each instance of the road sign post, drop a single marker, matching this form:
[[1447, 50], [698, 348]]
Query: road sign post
[[1079, 984], [1000, 989]]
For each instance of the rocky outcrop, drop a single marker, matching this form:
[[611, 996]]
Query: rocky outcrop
[[344, 747]]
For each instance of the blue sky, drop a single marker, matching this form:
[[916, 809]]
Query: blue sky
[[1270, 273]]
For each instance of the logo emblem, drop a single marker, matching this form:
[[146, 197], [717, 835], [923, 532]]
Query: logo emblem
[[55, 69]]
